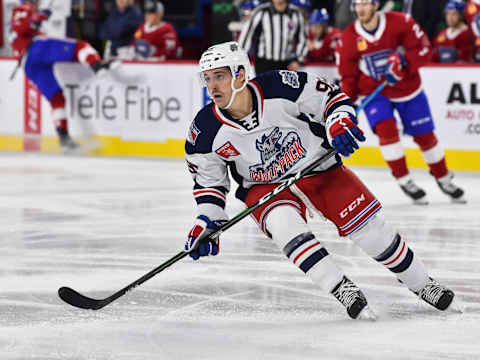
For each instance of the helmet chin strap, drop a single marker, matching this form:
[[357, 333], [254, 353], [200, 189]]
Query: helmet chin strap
[[234, 92]]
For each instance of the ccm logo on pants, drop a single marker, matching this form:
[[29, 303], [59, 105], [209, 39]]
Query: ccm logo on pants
[[352, 206]]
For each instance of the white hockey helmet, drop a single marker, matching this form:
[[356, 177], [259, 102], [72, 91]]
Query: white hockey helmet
[[229, 55]]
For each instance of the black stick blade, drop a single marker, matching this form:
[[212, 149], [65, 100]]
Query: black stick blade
[[78, 300]]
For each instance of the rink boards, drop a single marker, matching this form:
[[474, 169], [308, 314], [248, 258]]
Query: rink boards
[[145, 109]]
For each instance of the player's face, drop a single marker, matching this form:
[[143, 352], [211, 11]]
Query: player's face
[[219, 87], [318, 30], [153, 18], [452, 18], [365, 12]]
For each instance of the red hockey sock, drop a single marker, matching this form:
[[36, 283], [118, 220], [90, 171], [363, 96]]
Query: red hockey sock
[[432, 154], [59, 115], [391, 147], [85, 53]]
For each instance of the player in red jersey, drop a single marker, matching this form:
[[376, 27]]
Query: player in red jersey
[[472, 15], [156, 39], [40, 54], [391, 46], [453, 44], [322, 38]]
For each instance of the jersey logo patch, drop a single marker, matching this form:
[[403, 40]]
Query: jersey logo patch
[[277, 154], [193, 133], [376, 63], [290, 78], [227, 150]]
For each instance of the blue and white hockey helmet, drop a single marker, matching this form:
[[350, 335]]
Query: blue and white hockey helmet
[[227, 54], [457, 5], [303, 4], [319, 16]]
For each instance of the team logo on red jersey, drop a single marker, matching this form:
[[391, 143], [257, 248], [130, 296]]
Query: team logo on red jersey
[[227, 150], [193, 133], [471, 9], [361, 44], [278, 154]]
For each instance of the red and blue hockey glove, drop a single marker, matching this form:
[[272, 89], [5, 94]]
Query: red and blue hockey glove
[[45, 13], [40, 16], [395, 68], [343, 133], [197, 243]]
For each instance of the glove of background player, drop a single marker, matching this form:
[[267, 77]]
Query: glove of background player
[[343, 133], [395, 68], [40, 16], [144, 48], [201, 228]]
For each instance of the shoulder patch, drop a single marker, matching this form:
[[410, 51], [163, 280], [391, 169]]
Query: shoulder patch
[[193, 133], [290, 78]]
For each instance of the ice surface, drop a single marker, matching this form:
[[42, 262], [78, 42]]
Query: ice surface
[[98, 224]]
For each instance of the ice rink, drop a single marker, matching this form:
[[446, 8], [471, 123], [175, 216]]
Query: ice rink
[[97, 224]]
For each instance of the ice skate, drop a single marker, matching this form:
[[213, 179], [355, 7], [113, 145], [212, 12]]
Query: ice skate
[[352, 298], [436, 295], [413, 191], [102, 67], [67, 144], [455, 193]]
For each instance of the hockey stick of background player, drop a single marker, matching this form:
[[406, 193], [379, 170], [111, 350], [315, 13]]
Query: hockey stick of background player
[[370, 97], [76, 299], [19, 62]]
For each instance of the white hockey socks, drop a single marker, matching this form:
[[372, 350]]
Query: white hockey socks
[[291, 233], [378, 239]]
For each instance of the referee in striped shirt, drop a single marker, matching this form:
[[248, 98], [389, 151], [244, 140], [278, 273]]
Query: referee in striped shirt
[[281, 36]]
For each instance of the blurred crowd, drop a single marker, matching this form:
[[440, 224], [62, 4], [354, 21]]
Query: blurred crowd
[[136, 31], [142, 29], [453, 26]]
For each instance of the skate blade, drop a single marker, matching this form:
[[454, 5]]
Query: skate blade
[[421, 201], [367, 314], [460, 200], [456, 307]]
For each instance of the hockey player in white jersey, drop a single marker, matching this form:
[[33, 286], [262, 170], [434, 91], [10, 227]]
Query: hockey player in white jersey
[[264, 130]]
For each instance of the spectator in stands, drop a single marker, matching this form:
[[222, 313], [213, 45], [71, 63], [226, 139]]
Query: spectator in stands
[[155, 39], [322, 38], [472, 15], [119, 29], [453, 44], [277, 49]]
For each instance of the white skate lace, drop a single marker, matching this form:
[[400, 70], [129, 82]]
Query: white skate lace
[[449, 187], [432, 292], [347, 293], [411, 187]]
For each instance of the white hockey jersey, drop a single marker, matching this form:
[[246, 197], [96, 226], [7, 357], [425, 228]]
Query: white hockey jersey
[[284, 133]]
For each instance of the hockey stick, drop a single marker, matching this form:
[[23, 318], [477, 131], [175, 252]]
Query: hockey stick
[[24, 54], [76, 299], [370, 97]]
